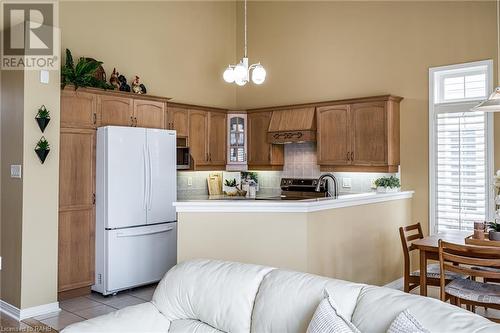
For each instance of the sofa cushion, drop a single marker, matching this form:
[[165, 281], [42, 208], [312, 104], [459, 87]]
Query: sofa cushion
[[191, 326], [144, 317], [327, 319], [406, 323], [287, 300], [377, 308], [220, 294]]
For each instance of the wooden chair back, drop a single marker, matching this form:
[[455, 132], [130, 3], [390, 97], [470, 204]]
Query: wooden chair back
[[409, 234], [461, 258]]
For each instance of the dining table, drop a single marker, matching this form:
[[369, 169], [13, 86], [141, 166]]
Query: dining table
[[429, 250]]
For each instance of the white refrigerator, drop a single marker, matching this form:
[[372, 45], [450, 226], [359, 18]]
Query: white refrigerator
[[136, 229]]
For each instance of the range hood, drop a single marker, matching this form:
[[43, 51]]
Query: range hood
[[292, 125]]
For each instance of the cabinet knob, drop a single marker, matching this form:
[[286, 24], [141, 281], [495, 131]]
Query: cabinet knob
[[131, 121]]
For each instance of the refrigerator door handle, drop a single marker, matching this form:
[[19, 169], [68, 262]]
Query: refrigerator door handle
[[150, 200], [145, 177], [126, 234]]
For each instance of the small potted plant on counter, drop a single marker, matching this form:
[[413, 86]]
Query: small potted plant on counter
[[388, 184], [494, 232], [231, 188]]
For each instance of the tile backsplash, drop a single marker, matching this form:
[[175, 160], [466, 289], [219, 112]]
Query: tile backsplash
[[300, 162]]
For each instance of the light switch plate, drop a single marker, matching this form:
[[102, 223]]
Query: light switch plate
[[346, 182], [15, 171], [44, 76], [190, 181]]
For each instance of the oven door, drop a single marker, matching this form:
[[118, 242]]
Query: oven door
[[183, 158]]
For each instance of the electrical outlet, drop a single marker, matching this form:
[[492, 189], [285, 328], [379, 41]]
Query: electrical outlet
[[346, 182], [190, 181], [15, 171]]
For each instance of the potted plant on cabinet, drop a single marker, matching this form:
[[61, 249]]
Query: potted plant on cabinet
[[42, 117], [494, 232], [388, 184], [42, 149]]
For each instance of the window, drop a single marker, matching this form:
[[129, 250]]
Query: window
[[460, 146]]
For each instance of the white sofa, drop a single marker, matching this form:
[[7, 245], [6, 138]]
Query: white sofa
[[214, 296]]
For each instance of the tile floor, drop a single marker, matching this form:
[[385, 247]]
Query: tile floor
[[86, 307]]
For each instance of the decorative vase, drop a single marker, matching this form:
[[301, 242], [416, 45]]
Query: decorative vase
[[42, 123], [494, 235], [42, 154]]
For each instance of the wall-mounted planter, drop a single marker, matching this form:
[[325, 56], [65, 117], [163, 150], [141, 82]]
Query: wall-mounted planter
[[42, 118], [42, 123], [42, 149]]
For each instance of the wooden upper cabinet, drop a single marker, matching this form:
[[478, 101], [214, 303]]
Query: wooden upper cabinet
[[178, 119], [360, 136], [150, 114], [78, 109], [198, 137], [369, 133], [334, 137], [262, 154], [217, 138], [76, 168], [114, 110]]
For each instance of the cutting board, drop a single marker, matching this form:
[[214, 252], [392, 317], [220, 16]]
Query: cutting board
[[214, 182]]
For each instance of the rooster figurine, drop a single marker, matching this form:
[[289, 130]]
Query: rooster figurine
[[138, 87], [113, 80]]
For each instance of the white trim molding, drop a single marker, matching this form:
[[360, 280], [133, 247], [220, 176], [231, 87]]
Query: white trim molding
[[21, 314], [287, 206]]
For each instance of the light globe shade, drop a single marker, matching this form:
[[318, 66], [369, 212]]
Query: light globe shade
[[240, 72], [240, 82], [228, 75], [258, 74], [492, 104]]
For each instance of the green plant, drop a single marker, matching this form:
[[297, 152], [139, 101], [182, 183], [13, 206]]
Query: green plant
[[43, 113], [81, 75], [250, 175], [230, 183], [42, 144], [495, 226], [391, 182]]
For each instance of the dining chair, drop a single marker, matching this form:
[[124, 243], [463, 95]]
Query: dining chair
[[465, 260], [411, 280]]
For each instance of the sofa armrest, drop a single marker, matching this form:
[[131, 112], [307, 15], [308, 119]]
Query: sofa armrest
[[144, 317]]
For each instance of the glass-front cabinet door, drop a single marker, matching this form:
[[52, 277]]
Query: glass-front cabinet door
[[237, 139]]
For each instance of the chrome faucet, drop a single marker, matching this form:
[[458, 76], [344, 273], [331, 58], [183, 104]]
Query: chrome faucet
[[335, 184]]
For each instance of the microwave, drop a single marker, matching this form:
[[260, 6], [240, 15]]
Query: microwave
[[183, 158]]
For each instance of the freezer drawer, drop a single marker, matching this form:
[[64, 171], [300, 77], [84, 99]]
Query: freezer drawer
[[139, 255]]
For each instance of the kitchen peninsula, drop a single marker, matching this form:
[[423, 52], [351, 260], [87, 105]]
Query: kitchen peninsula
[[353, 237]]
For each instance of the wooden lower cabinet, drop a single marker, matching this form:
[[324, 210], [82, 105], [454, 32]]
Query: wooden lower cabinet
[[76, 209], [261, 154]]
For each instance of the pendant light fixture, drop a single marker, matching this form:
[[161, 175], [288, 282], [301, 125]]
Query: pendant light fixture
[[492, 104], [240, 73]]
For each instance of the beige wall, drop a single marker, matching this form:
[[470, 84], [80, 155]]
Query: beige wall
[[12, 106], [179, 49], [359, 243], [331, 50], [40, 194]]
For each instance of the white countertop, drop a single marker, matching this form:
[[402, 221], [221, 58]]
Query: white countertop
[[287, 206]]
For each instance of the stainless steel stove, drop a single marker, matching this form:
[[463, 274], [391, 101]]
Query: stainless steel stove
[[300, 189]]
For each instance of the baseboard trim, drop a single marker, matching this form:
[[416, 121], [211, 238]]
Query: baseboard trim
[[20, 314]]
